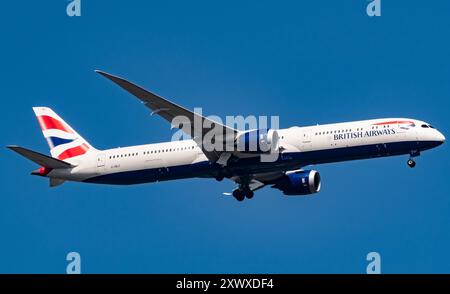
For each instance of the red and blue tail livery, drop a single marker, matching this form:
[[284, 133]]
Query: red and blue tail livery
[[64, 142]]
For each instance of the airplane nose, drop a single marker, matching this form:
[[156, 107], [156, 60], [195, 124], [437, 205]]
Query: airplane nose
[[441, 137]]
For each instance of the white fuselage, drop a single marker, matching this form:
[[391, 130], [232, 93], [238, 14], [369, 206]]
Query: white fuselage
[[300, 146]]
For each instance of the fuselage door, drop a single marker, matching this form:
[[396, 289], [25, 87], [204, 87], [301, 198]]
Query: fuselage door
[[406, 131], [101, 162], [306, 139], [401, 128]]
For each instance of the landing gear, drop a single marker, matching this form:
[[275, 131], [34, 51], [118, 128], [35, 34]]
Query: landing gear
[[243, 189], [414, 153], [249, 193], [239, 195]]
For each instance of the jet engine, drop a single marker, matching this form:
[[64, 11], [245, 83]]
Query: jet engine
[[299, 183]]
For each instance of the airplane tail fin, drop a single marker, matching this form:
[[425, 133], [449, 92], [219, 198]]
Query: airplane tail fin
[[63, 140]]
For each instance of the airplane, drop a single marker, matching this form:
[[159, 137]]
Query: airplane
[[74, 159]]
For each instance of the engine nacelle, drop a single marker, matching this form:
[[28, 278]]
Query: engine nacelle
[[258, 141], [299, 183]]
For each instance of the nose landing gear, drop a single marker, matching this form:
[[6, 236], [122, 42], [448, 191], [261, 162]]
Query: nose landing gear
[[411, 163]]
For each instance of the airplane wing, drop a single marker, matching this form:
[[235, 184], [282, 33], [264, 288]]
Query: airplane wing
[[180, 117]]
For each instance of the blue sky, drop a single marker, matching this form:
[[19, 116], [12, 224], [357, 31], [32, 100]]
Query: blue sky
[[307, 61]]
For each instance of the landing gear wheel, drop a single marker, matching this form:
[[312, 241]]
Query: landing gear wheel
[[411, 163], [238, 195], [249, 194], [219, 178]]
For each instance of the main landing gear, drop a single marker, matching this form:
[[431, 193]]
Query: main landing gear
[[240, 194]]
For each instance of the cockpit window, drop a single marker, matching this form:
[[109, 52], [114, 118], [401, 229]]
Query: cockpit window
[[431, 126], [425, 126]]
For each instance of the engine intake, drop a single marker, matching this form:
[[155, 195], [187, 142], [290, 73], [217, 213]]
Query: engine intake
[[299, 183]]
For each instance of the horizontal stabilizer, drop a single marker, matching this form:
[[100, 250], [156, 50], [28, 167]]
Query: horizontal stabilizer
[[41, 159]]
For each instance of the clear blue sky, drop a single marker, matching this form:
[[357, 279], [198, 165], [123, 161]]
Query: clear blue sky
[[307, 61]]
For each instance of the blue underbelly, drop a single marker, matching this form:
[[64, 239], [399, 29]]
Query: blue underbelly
[[254, 165]]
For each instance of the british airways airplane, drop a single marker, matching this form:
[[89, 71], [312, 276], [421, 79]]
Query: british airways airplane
[[74, 159]]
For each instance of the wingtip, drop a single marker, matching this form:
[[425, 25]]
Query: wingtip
[[101, 72], [107, 75]]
